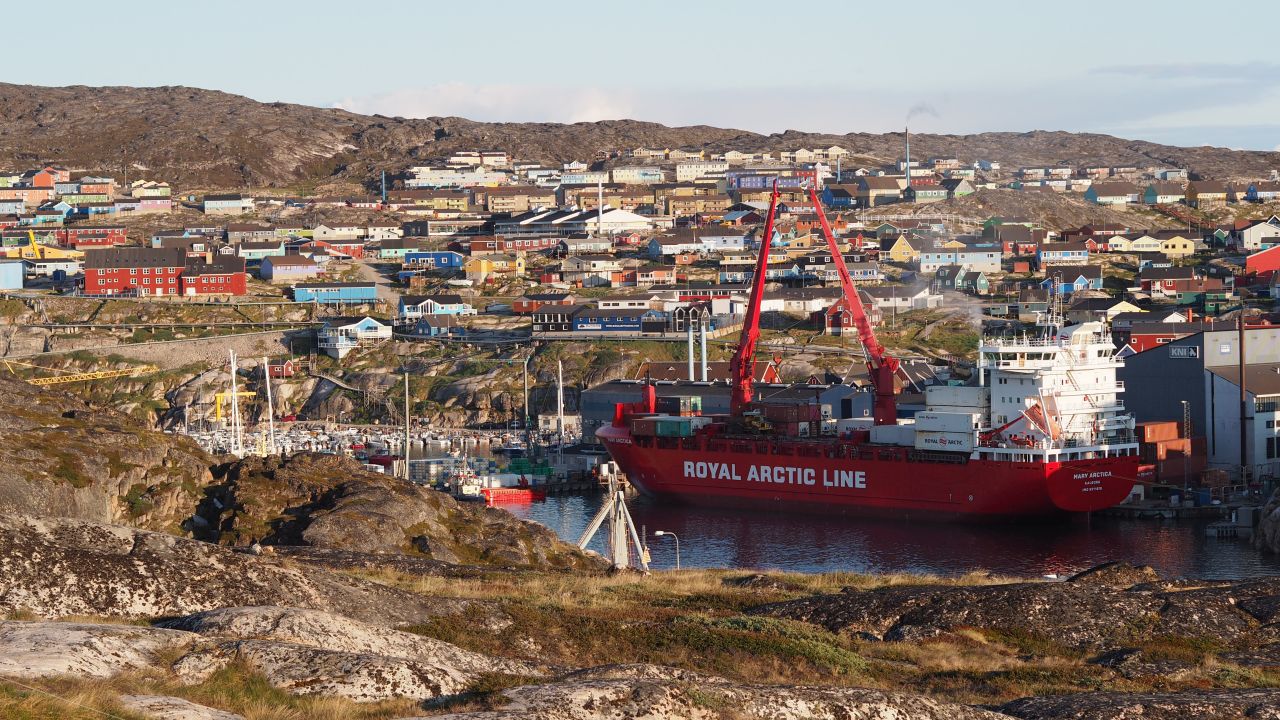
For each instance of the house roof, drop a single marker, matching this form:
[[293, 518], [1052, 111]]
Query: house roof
[[1113, 189], [224, 197], [134, 257], [1074, 271], [1073, 246], [1168, 273], [316, 285], [219, 265], [290, 261], [439, 299], [1166, 188]]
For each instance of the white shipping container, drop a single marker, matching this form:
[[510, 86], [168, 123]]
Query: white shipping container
[[847, 424], [886, 434], [698, 421], [949, 441], [964, 396], [947, 422]]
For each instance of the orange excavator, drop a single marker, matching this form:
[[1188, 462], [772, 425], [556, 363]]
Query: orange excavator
[[882, 367]]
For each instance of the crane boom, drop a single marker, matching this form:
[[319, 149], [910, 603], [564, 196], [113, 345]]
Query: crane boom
[[882, 367], [742, 367]]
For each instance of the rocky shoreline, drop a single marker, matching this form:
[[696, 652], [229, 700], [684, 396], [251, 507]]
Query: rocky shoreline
[[162, 621]]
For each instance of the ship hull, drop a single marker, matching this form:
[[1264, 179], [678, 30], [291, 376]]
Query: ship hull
[[880, 482]]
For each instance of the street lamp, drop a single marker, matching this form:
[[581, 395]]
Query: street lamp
[[664, 533]]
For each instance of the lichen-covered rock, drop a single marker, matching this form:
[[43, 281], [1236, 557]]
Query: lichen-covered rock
[[642, 692], [305, 670], [1098, 610], [43, 649], [54, 567], [328, 501], [163, 707], [1214, 704], [62, 458], [341, 634]]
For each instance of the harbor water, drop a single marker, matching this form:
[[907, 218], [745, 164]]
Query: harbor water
[[732, 538]]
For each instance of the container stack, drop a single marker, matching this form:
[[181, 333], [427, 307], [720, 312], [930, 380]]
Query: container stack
[[1172, 459], [679, 405], [795, 420], [949, 431]]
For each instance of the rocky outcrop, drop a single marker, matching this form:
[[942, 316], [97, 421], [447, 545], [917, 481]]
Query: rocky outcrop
[[633, 692], [56, 567], [63, 458], [1267, 536], [1099, 610], [1216, 704], [335, 633], [161, 707], [42, 649], [331, 502]]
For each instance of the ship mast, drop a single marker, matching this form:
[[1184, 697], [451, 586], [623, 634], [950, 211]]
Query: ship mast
[[882, 366], [742, 367]]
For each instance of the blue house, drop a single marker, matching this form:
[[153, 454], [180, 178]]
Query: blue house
[[1067, 253], [619, 320], [336, 293], [839, 196], [11, 274], [439, 326], [1072, 278], [12, 206], [434, 259]]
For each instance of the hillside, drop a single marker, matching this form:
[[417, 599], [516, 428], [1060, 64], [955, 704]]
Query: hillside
[[1050, 209], [202, 138]]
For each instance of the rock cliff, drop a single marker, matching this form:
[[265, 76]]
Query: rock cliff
[[1267, 535], [60, 457], [331, 502]]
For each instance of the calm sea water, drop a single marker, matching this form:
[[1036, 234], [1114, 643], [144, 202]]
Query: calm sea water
[[731, 538]]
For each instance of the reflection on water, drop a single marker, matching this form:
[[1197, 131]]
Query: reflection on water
[[712, 537]]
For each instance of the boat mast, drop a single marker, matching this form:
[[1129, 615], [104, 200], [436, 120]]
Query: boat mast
[[237, 442], [271, 413], [742, 368]]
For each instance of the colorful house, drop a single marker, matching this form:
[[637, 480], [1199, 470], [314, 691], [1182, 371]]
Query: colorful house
[[336, 293], [279, 269], [338, 336], [413, 307], [1066, 253]]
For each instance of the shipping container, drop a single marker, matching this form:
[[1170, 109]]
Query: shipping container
[[947, 422], [962, 396], [674, 427], [644, 427], [1155, 431], [949, 441]]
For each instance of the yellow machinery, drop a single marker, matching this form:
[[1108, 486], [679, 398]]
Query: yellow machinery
[[37, 251], [223, 397], [70, 376]]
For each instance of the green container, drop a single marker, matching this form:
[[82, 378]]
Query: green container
[[674, 427]]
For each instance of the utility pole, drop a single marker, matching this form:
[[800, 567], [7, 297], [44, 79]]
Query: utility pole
[[1244, 401], [560, 402], [406, 424], [702, 326]]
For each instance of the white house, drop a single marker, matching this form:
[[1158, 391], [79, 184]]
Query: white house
[[340, 335]]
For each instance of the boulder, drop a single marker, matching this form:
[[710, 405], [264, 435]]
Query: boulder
[[55, 567], [43, 649], [163, 707]]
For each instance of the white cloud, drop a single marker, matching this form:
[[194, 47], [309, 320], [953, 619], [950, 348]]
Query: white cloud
[[496, 103]]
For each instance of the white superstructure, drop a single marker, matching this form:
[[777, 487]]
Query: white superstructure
[[1055, 390]]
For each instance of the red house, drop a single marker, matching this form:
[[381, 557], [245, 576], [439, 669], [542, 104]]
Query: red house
[[161, 271], [529, 304], [338, 248], [284, 369], [134, 271], [1263, 263], [86, 236], [223, 275]]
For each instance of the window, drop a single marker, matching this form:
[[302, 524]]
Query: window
[[1271, 448]]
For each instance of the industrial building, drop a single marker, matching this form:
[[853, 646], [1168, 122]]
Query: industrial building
[[1204, 370]]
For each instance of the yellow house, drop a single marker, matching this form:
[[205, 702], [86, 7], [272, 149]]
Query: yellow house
[[903, 250], [480, 269], [1176, 244], [1206, 194], [36, 251], [953, 244]]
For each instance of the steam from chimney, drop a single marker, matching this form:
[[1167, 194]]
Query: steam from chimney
[[921, 109]]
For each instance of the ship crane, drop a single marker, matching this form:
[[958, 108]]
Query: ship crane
[[882, 367]]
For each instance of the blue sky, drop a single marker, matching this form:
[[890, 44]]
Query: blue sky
[[1162, 72]]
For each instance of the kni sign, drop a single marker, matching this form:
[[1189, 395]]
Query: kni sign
[[1187, 351]]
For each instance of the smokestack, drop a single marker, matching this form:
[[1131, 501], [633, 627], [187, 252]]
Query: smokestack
[[702, 326], [907, 142], [688, 326], [599, 208]]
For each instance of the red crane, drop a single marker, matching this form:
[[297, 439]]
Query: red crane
[[882, 367], [742, 367]]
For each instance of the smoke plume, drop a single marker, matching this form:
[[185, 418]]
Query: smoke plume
[[921, 109]]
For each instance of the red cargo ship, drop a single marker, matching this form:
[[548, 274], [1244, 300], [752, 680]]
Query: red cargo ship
[[1042, 434]]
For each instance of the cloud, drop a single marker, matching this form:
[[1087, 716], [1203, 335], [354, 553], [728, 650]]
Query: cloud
[[496, 103], [1216, 72]]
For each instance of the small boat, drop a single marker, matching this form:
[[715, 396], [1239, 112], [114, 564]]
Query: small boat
[[511, 448]]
